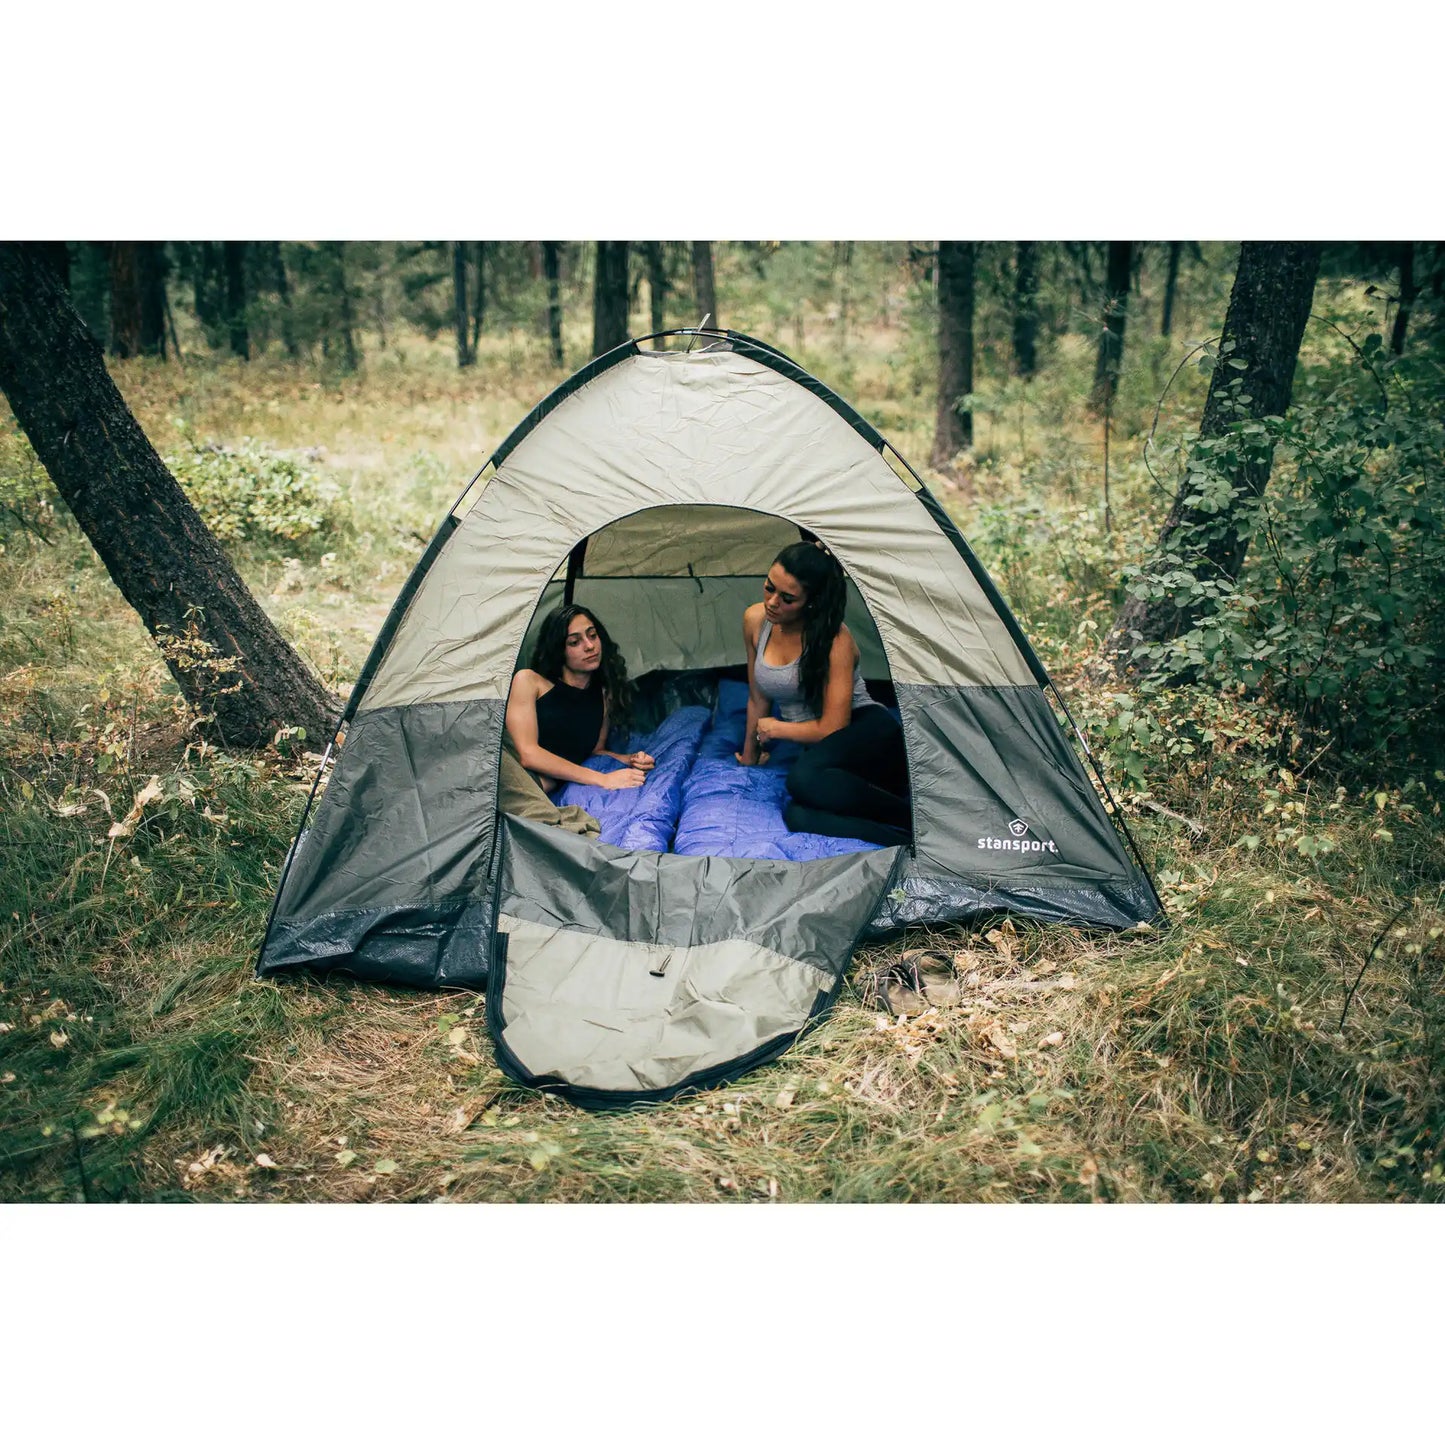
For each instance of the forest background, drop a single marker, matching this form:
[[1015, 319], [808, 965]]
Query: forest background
[[1275, 748]]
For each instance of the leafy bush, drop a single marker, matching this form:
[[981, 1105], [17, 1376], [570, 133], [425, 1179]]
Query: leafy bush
[[1338, 616], [249, 494], [1054, 564], [27, 498]]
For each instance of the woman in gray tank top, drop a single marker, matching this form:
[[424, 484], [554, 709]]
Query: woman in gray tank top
[[852, 778]]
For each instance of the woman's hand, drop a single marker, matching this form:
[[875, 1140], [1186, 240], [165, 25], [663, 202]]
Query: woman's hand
[[643, 762], [622, 778], [767, 730], [761, 761]]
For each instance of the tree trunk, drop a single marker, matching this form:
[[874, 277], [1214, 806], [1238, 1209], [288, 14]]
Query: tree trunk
[[207, 287], [1026, 309], [656, 285], [552, 266], [58, 254], [282, 284], [223, 651], [609, 297], [1111, 339], [479, 302], [125, 327], [1409, 290], [1167, 320], [1268, 308], [239, 335], [151, 269], [342, 292], [461, 312], [704, 292], [953, 428]]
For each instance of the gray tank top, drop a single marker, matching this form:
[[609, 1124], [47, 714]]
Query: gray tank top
[[782, 686]]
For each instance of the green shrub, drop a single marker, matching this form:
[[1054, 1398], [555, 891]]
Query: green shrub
[[27, 498], [1338, 616], [251, 495]]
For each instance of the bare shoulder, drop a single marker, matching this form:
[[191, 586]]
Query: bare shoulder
[[753, 621], [844, 649], [529, 686]]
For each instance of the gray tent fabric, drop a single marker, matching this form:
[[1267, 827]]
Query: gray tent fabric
[[657, 486], [636, 973]]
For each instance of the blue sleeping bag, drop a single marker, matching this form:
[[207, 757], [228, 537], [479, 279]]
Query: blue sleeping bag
[[729, 811], [644, 818]]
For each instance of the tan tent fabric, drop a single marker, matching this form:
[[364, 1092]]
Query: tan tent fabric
[[706, 429], [521, 795], [592, 1011], [688, 542]]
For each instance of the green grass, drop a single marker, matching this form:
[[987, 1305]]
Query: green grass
[[140, 1061]]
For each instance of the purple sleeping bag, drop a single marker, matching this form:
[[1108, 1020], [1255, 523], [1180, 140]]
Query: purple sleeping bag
[[729, 811], [644, 818]]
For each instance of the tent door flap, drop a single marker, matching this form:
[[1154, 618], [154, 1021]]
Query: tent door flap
[[624, 977]]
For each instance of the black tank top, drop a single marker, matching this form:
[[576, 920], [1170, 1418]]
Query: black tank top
[[569, 720]]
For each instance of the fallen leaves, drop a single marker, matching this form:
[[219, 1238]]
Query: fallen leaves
[[994, 1035], [152, 792]]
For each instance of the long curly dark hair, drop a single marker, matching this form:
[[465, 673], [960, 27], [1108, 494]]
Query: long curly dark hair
[[826, 586], [550, 652]]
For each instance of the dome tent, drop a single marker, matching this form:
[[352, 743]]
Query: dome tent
[[657, 486]]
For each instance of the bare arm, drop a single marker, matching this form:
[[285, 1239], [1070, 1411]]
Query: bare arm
[[758, 705], [837, 699], [522, 729], [644, 762]]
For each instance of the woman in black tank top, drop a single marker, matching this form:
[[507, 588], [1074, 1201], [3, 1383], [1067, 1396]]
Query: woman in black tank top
[[561, 709]]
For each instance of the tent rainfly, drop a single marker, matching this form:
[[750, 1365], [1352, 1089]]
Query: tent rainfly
[[657, 486]]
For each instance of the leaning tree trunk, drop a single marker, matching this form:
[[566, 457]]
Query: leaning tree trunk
[[1111, 338], [1026, 309], [223, 651], [461, 315], [1268, 309], [953, 427], [552, 268], [1167, 320], [609, 297], [58, 254], [704, 290], [656, 285]]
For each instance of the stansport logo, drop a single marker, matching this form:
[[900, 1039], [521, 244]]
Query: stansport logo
[[1018, 843]]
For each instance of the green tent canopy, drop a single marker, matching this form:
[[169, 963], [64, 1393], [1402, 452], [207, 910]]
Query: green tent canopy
[[657, 486]]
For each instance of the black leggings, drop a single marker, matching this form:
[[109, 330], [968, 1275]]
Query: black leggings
[[854, 784]]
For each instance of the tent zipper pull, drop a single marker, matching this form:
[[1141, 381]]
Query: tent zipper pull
[[661, 969]]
